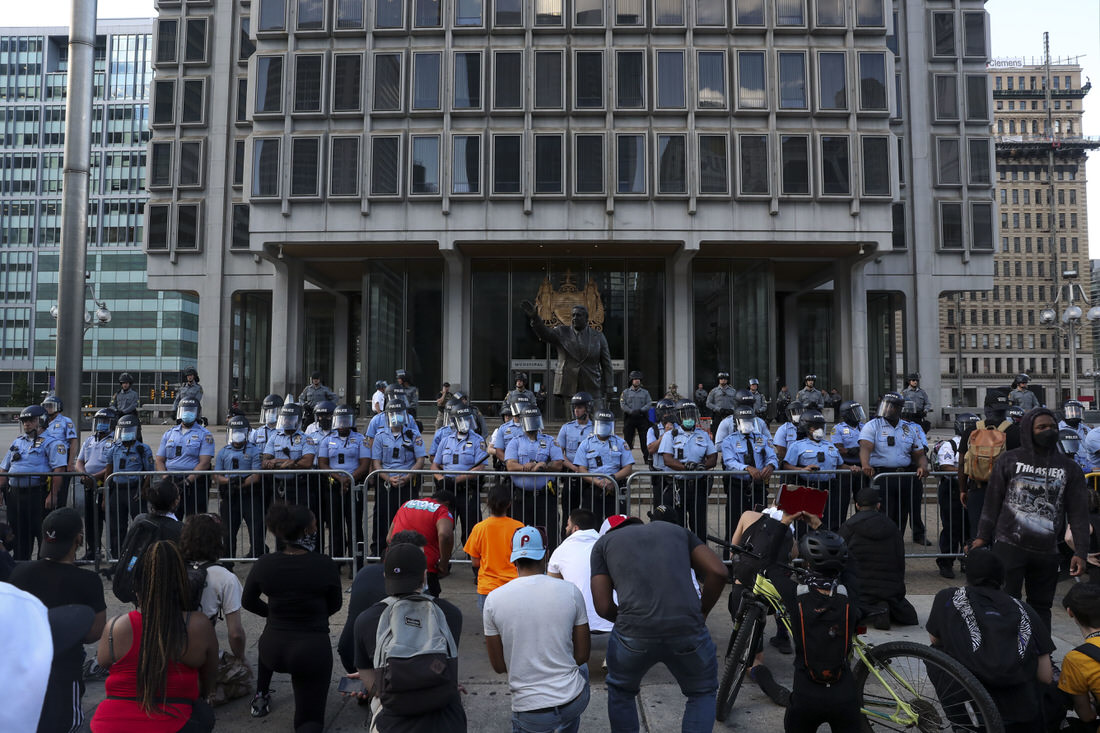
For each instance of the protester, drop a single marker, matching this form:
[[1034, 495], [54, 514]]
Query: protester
[[490, 544], [433, 518], [572, 561], [202, 544], [1080, 678], [164, 499]]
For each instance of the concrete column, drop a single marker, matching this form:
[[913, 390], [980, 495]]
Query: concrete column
[[366, 379], [926, 307], [456, 323], [850, 367], [340, 338], [790, 375], [287, 327], [679, 310]]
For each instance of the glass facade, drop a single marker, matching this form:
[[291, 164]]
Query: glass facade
[[734, 317]]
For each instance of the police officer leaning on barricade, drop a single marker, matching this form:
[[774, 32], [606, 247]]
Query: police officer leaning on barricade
[[186, 447], [122, 494], [341, 448], [722, 399], [689, 448], [823, 465], [662, 482], [518, 401], [634, 402], [534, 499], [909, 413], [290, 450], [748, 452], [316, 432], [607, 462], [503, 433], [395, 449], [845, 436], [29, 490], [457, 463], [92, 460], [241, 495], [887, 445], [126, 400], [809, 395], [744, 398]]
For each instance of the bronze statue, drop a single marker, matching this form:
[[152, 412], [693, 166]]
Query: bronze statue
[[584, 361]]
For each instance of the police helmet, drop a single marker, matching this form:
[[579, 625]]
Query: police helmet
[[666, 410], [505, 410], [125, 378], [582, 399], [126, 428], [521, 377], [909, 410], [462, 419], [914, 377], [315, 375], [824, 551], [723, 375], [688, 412], [754, 382], [890, 405], [1069, 441], [635, 375], [396, 415], [236, 429], [380, 384], [396, 391], [1022, 379], [852, 412], [965, 422], [462, 398], [190, 372], [520, 401], [1015, 413], [52, 404], [744, 397], [33, 412], [290, 417], [794, 411], [187, 411], [402, 374], [603, 424], [745, 419], [103, 420], [811, 419], [1075, 411], [343, 417], [809, 378], [532, 419], [448, 411], [322, 413], [269, 409]]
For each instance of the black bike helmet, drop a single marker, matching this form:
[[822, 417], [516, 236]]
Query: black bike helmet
[[824, 552]]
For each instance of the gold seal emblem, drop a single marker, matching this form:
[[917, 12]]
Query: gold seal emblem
[[555, 307]]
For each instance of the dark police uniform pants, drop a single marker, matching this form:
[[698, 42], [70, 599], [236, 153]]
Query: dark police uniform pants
[[26, 508]]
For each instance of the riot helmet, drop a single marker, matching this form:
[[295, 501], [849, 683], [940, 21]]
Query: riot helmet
[[290, 417], [809, 378], [521, 377], [1022, 379], [448, 412], [187, 411], [380, 384], [744, 397], [1069, 441], [462, 419], [581, 399], [396, 417], [825, 552], [103, 421], [635, 375], [322, 413], [723, 375], [794, 411], [236, 430], [603, 425], [754, 382], [52, 404], [852, 413], [189, 372], [520, 401], [666, 410], [343, 419], [125, 378], [813, 423], [532, 420], [688, 413], [126, 428], [269, 409], [745, 418], [889, 408], [965, 423], [1015, 413], [505, 411], [33, 420], [396, 391], [1075, 412]]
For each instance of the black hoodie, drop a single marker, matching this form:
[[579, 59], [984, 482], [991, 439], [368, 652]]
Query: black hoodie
[[1031, 494]]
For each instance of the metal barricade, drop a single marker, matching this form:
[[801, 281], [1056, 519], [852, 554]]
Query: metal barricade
[[25, 512]]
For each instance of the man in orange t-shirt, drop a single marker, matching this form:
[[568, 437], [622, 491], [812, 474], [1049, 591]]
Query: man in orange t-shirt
[[490, 545], [434, 519]]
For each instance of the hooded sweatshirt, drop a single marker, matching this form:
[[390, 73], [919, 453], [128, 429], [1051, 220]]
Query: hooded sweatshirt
[[1031, 494]]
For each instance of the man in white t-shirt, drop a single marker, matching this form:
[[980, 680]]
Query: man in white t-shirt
[[572, 561], [536, 630], [378, 400]]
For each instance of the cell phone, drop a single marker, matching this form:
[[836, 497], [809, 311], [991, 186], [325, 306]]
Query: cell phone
[[350, 684]]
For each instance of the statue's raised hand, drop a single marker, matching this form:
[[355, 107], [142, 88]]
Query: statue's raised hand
[[528, 308]]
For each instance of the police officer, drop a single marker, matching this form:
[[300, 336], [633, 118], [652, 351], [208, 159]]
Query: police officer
[[782, 402], [25, 470], [510, 429], [845, 436], [322, 419], [1021, 395], [722, 399], [746, 451], [479, 421], [241, 494], [689, 449], [570, 437], [379, 422], [745, 398], [1074, 419], [809, 395], [667, 420], [909, 414], [412, 395], [290, 449], [189, 389], [787, 433], [821, 460], [60, 427], [395, 449], [954, 532], [123, 493], [315, 393], [462, 456], [188, 446], [521, 389], [532, 453], [700, 397], [760, 401], [913, 393], [607, 462], [126, 401], [92, 461], [634, 402], [447, 429], [889, 445], [342, 449]]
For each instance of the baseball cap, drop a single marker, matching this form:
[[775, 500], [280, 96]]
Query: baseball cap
[[616, 520], [528, 543], [59, 529], [664, 513], [404, 569]]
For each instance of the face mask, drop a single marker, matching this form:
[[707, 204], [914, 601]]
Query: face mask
[[817, 433], [1046, 438], [397, 418], [689, 424], [102, 427], [237, 436], [129, 436], [603, 430], [187, 417], [308, 542], [1073, 421]]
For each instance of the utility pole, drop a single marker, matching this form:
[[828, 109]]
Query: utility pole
[[69, 367], [1055, 267]]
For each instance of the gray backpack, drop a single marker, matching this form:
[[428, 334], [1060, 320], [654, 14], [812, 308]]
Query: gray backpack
[[417, 656]]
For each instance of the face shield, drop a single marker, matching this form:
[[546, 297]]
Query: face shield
[[1074, 413], [125, 433], [237, 435], [186, 414], [794, 412], [463, 423], [689, 416], [603, 426], [746, 422], [395, 419], [532, 421], [289, 420], [270, 416], [888, 409], [1069, 442], [855, 415], [344, 421], [101, 426]]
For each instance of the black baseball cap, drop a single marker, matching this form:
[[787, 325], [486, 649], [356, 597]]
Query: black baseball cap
[[60, 528], [404, 569]]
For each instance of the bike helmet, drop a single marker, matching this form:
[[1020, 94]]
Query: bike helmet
[[824, 552]]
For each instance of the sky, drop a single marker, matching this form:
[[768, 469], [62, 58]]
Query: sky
[[1016, 27]]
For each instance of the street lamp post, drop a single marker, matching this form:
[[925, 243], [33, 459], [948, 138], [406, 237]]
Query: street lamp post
[[100, 316], [1071, 316]]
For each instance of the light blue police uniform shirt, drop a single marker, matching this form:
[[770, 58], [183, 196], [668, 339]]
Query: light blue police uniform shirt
[[94, 453], [653, 434], [884, 455], [1090, 446], [606, 457], [539, 449], [807, 452], [378, 423], [247, 456], [136, 457], [282, 447], [1082, 431], [316, 439], [505, 434], [36, 459], [728, 425], [785, 434], [570, 437], [192, 443], [844, 436], [61, 428], [459, 455], [735, 452], [393, 451], [259, 436], [440, 435], [687, 446]]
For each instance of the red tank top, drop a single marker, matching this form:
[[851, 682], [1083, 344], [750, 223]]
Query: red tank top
[[126, 715]]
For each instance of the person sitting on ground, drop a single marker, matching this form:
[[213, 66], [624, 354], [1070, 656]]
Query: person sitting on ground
[[434, 519], [164, 499], [163, 658], [1080, 678], [877, 551], [202, 543], [490, 543], [996, 637]]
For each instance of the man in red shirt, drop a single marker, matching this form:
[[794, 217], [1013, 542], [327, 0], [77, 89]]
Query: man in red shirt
[[434, 519]]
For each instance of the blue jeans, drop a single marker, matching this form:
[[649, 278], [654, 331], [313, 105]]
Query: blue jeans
[[563, 719], [692, 660]]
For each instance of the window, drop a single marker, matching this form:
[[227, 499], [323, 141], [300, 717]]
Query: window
[[947, 161], [466, 164], [792, 80], [194, 102], [265, 167], [389, 14], [870, 14], [835, 168], [790, 12], [795, 150], [548, 80], [425, 165], [872, 82], [272, 16], [508, 80], [467, 80], [347, 84], [507, 163], [160, 165], [943, 36], [245, 46], [310, 15], [195, 43], [670, 80], [238, 163], [977, 104], [167, 41], [951, 227], [974, 35], [164, 102], [548, 13], [549, 164], [425, 87], [713, 165], [589, 164], [668, 12], [269, 85], [749, 12], [588, 12], [833, 80], [468, 14], [507, 13], [156, 223], [387, 82], [344, 166], [978, 150], [754, 165], [187, 226], [308, 69], [830, 13], [350, 17], [630, 79], [240, 227], [427, 13], [190, 166], [750, 76], [876, 166], [710, 12], [385, 165], [631, 169], [671, 164], [629, 12], [305, 165], [899, 233], [947, 97], [711, 78], [589, 79]]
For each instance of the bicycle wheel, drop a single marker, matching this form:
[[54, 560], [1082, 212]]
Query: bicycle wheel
[[739, 659], [942, 694]]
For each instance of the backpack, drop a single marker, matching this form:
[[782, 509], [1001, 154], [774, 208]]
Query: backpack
[[196, 580], [767, 537], [142, 534], [986, 443], [990, 642], [825, 625], [417, 656]]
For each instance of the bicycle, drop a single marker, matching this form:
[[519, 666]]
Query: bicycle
[[903, 685]]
